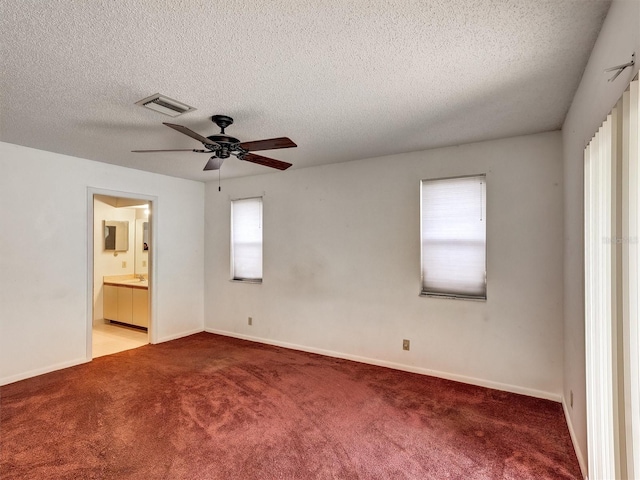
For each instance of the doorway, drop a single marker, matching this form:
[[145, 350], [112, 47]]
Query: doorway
[[120, 272]]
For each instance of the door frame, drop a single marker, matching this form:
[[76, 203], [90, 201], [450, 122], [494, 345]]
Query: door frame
[[153, 219]]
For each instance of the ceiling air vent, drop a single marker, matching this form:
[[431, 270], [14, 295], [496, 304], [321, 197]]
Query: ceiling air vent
[[165, 105]]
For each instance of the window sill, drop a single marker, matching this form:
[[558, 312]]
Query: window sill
[[244, 280], [453, 297]]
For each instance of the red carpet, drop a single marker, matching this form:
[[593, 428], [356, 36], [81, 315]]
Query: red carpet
[[211, 407]]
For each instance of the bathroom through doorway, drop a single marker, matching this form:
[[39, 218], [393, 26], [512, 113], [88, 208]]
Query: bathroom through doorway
[[121, 273]]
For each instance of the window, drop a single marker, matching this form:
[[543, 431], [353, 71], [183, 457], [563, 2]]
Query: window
[[246, 239], [453, 234]]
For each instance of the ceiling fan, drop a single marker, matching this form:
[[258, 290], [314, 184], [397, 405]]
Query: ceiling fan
[[222, 146]]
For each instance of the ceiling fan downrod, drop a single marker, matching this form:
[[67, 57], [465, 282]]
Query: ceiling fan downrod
[[223, 121]]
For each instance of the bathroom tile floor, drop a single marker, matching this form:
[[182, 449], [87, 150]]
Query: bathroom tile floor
[[108, 339]]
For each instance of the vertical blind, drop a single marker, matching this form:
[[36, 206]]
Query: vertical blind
[[246, 239], [611, 181], [631, 329], [599, 234], [453, 235]]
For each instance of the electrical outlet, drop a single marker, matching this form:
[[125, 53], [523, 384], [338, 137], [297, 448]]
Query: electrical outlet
[[124, 264], [571, 398], [250, 321], [405, 344], [144, 263]]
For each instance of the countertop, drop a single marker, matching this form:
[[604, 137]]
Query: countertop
[[126, 281]]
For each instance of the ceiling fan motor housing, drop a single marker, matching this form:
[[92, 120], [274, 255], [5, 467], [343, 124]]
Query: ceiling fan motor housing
[[227, 145]]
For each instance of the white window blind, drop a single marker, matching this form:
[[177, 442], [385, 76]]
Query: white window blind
[[612, 290], [453, 228], [631, 258], [599, 234], [246, 239]]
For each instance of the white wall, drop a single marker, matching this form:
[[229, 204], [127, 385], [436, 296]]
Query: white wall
[[618, 39], [44, 255], [342, 265]]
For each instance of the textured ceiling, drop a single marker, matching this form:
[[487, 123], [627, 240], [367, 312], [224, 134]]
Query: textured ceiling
[[345, 80]]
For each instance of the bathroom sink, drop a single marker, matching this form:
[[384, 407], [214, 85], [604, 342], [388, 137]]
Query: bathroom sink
[[126, 280], [135, 281]]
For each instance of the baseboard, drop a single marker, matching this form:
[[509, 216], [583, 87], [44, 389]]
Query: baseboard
[[330, 353], [73, 363], [574, 440], [178, 335], [41, 371], [397, 366]]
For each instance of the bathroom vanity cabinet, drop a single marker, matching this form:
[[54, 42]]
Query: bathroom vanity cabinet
[[126, 304]]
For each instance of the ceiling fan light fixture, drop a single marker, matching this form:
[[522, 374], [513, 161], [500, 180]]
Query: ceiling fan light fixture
[[165, 105]]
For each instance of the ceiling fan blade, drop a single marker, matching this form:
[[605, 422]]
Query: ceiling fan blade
[[177, 150], [214, 163], [190, 133], [266, 161], [268, 144]]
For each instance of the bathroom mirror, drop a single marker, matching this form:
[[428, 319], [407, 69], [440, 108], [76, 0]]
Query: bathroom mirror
[[116, 236], [143, 244], [145, 236]]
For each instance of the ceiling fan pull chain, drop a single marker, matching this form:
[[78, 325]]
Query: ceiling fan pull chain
[[219, 189]]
